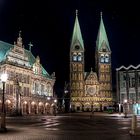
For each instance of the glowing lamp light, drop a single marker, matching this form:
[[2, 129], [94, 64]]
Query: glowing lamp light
[[33, 103], [48, 98], [138, 108], [55, 100], [25, 102], [125, 101], [4, 77]]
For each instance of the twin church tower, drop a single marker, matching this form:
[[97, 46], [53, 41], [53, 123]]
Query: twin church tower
[[90, 90]]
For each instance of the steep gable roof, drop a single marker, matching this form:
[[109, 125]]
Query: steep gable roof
[[6, 47]]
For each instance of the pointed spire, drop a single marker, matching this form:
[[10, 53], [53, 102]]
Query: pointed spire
[[30, 46], [102, 36], [19, 40], [77, 36]]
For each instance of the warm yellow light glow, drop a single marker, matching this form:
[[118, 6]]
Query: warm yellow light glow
[[55, 101], [25, 102], [125, 101], [40, 103], [33, 103], [4, 77], [47, 104], [8, 101]]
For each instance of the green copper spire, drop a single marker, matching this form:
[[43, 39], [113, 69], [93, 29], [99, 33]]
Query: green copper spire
[[102, 36], [77, 36]]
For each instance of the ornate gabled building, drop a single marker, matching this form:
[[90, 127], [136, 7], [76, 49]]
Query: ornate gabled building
[[90, 90], [29, 88]]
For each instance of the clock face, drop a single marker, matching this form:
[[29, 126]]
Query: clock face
[[91, 90]]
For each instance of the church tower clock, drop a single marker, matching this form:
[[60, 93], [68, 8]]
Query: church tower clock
[[103, 62], [76, 62]]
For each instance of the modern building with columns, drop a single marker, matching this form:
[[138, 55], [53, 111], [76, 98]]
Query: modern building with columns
[[128, 88], [29, 88]]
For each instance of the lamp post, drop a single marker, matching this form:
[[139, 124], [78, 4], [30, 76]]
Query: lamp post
[[125, 108], [4, 77], [119, 108]]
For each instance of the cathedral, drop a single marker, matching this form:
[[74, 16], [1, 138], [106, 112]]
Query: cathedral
[[29, 87], [90, 90]]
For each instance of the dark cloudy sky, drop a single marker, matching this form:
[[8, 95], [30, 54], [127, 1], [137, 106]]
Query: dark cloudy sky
[[48, 24]]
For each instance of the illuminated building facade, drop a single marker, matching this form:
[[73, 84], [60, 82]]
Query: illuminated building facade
[[90, 90], [29, 88], [128, 87]]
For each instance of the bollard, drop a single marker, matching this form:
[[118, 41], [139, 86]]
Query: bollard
[[133, 125]]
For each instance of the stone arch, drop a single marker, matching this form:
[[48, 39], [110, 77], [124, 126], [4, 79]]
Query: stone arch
[[78, 106], [25, 109], [40, 108], [53, 109], [47, 108], [33, 108], [87, 106], [8, 106], [96, 106]]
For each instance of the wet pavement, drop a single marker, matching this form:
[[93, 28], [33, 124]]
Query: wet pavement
[[72, 126]]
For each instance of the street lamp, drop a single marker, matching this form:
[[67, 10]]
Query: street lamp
[[119, 108], [125, 108], [4, 78]]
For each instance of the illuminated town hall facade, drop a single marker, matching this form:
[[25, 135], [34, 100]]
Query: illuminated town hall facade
[[29, 88], [90, 90]]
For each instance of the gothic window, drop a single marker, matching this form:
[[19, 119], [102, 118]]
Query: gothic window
[[81, 77], [108, 86], [103, 77], [74, 67], [73, 85], [27, 91], [74, 57], [11, 89], [106, 58], [24, 91], [81, 86], [80, 67], [36, 88], [133, 82], [105, 86], [72, 76], [49, 89], [79, 57], [75, 76], [28, 77], [77, 85], [42, 89], [7, 88], [102, 58]]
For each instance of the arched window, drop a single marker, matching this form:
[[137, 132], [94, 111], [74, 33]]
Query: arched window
[[106, 58], [79, 57], [49, 89], [74, 57], [102, 58]]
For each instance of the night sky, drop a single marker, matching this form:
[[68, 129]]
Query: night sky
[[49, 25]]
